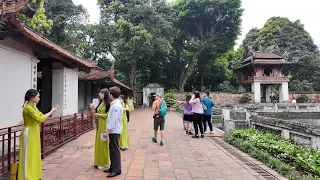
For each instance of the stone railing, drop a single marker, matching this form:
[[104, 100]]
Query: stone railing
[[301, 133], [278, 107], [297, 122]]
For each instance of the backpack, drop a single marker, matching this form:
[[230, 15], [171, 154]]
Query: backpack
[[163, 109]]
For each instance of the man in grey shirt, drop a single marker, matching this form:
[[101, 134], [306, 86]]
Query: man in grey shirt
[[113, 131]]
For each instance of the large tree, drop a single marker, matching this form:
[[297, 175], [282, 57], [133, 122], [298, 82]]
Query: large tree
[[39, 21], [208, 29], [289, 39], [71, 28], [138, 34]]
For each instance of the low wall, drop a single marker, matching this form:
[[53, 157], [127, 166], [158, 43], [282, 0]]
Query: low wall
[[303, 134], [300, 125], [221, 98], [218, 97], [291, 115], [278, 107], [313, 98]]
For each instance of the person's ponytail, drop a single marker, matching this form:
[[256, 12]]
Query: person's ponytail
[[31, 93]]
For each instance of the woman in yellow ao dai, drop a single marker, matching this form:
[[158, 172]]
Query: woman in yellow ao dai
[[30, 166], [101, 148], [124, 137]]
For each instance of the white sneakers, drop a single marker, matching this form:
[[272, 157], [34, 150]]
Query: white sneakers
[[211, 132], [102, 167]]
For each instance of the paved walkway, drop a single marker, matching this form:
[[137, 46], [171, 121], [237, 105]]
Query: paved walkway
[[182, 158]]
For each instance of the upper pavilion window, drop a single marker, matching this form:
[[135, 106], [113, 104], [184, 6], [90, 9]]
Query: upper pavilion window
[[267, 71]]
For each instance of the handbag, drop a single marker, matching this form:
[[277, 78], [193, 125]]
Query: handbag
[[14, 171], [204, 106]]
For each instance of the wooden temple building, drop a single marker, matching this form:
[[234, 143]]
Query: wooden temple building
[[262, 70], [29, 60]]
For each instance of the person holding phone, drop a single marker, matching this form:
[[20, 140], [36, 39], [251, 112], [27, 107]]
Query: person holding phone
[[30, 166], [113, 131], [197, 110], [101, 148], [187, 113]]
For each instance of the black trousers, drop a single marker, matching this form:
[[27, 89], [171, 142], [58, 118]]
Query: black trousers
[[197, 123], [207, 119], [115, 155]]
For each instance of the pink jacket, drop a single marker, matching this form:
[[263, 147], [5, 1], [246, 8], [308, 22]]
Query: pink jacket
[[196, 106]]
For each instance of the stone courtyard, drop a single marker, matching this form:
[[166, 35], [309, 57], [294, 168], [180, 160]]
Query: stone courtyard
[[181, 158]]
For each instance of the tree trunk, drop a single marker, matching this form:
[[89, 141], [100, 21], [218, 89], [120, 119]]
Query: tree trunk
[[201, 81], [133, 78], [185, 75]]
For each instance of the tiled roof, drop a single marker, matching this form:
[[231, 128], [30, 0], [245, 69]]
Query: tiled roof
[[262, 55], [95, 74], [120, 83], [45, 42], [272, 61], [12, 6]]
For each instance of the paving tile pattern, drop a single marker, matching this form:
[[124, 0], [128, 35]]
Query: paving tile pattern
[[181, 158]]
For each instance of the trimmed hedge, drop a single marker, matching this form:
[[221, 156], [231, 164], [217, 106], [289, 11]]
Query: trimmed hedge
[[281, 155], [180, 109]]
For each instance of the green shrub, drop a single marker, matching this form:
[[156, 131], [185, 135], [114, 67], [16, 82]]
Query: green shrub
[[245, 99], [180, 109], [226, 87], [272, 149], [302, 98], [169, 99]]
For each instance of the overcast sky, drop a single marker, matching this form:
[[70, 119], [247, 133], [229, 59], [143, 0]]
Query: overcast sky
[[257, 12]]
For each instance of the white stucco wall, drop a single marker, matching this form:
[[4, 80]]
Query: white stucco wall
[[65, 91], [17, 67], [72, 91], [149, 90]]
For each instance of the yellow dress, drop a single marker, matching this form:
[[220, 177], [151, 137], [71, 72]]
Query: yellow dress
[[101, 148], [30, 166], [124, 136], [131, 104]]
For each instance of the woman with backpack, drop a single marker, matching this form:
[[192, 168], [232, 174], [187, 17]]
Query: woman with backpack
[[197, 109], [159, 108], [187, 113]]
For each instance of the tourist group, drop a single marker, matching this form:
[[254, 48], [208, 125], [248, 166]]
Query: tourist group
[[197, 110], [112, 114]]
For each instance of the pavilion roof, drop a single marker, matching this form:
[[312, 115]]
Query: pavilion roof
[[257, 58]]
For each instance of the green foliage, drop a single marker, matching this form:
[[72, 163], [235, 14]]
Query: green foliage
[[281, 155], [39, 21], [208, 29], [71, 29], [138, 35], [170, 99], [226, 87], [290, 40], [180, 109], [302, 98], [245, 99], [300, 86], [221, 69]]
